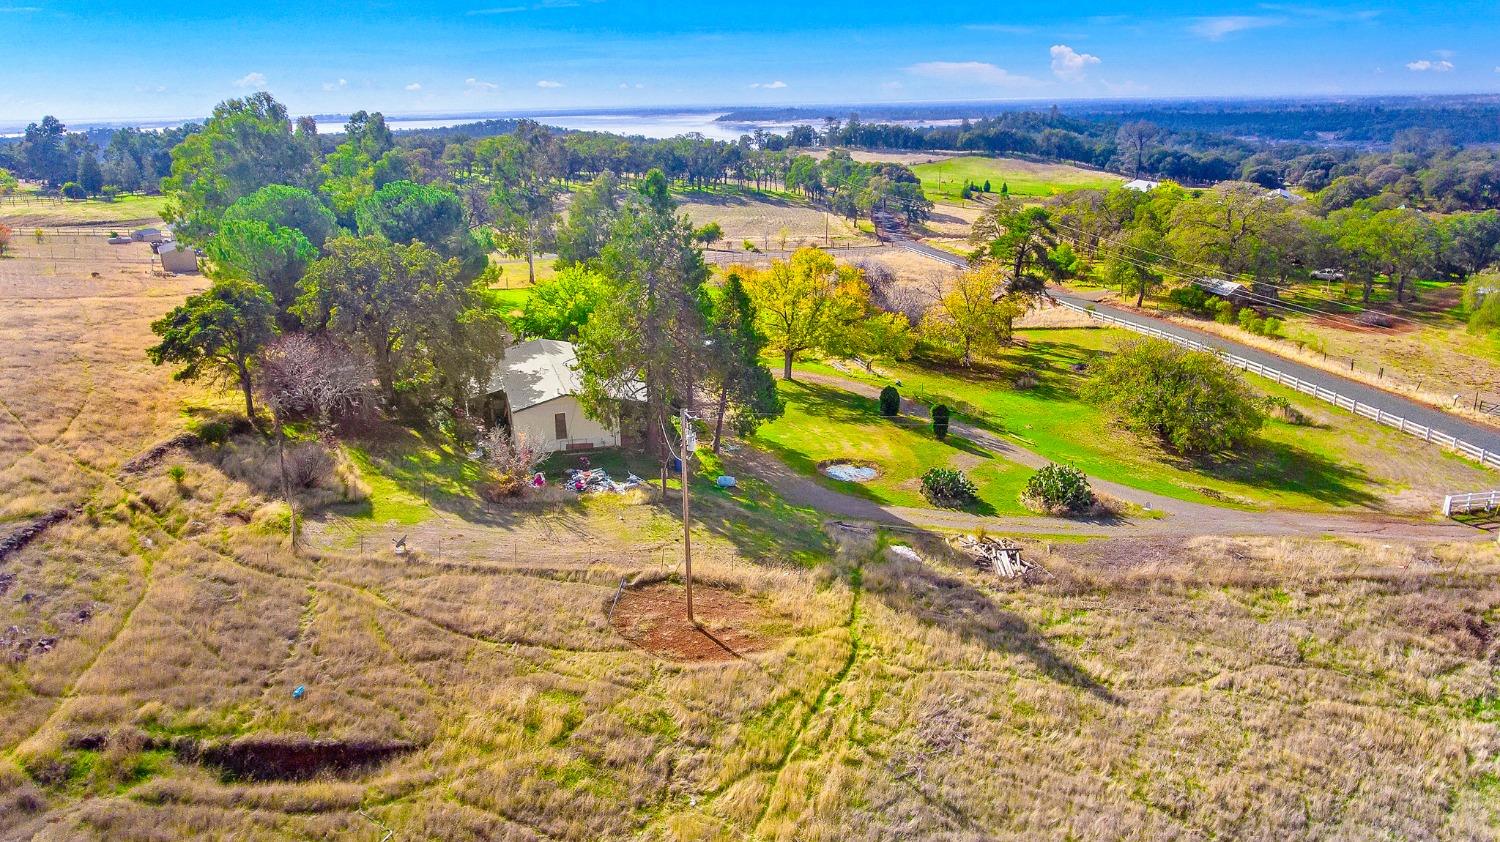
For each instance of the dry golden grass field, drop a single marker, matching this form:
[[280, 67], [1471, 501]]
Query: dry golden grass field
[[480, 687]]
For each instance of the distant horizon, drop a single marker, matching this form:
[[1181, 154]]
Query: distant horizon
[[8, 127], [91, 64]]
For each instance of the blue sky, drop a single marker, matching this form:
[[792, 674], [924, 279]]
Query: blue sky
[[95, 61]]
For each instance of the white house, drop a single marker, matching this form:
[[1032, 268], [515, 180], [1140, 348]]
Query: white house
[[534, 391], [1141, 185]]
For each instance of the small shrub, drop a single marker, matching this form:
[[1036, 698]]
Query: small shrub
[[74, 190], [1058, 489], [214, 433], [947, 487], [749, 246], [177, 473], [1271, 327], [940, 422], [511, 463], [4, 239], [1223, 311], [1251, 321], [1191, 299], [1275, 406], [890, 402]]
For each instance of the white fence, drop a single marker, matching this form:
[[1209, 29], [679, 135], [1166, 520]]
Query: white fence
[[1454, 504], [1488, 458]]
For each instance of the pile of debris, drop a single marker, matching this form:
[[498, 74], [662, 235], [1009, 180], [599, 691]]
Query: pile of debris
[[1000, 556], [18, 643], [583, 481]]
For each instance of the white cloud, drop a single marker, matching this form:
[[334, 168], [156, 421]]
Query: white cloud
[[251, 80], [971, 72], [548, 83], [1070, 65], [774, 86], [336, 86], [625, 86], [479, 85], [414, 86], [1215, 28], [1428, 66]]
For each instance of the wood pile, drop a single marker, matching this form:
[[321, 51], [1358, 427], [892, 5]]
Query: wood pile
[[1000, 556]]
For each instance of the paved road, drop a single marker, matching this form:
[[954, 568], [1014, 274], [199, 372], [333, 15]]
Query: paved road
[[1478, 435]]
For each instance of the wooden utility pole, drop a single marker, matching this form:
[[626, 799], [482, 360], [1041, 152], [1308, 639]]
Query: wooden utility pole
[[687, 536]]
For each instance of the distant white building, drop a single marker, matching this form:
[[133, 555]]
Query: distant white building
[[1230, 290], [1286, 195], [534, 392], [1141, 185]]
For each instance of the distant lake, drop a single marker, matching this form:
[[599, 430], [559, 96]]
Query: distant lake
[[647, 124]]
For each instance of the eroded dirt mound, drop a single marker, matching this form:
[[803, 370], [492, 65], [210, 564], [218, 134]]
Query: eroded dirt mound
[[654, 617], [296, 758]]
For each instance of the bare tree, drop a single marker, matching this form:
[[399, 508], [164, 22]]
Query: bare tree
[[301, 375]]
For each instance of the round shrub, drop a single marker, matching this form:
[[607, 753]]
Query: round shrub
[[890, 402], [1058, 489], [74, 190], [940, 422], [947, 487]]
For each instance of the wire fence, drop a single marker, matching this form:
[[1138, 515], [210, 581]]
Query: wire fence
[[1485, 457]]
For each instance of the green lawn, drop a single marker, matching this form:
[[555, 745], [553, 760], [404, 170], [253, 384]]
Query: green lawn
[[1296, 467], [945, 179], [25, 211], [824, 423]]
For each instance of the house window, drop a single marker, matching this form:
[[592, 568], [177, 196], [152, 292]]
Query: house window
[[560, 424]]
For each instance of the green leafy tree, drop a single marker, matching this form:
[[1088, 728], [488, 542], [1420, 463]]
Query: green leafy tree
[[217, 333], [890, 402], [405, 213], [1022, 240], [656, 191], [8, 183], [427, 331], [974, 315], [272, 256], [246, 144], [559, 308], [1190, 401], [649, 328], [524, 166], [74, 190], [591, 215], [808, 302], [90, 176], [1136, 265], [745, 388], [286, 207]]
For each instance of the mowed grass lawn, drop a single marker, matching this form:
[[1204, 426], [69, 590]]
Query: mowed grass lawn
[[26, 211], [945, 179], [824, 423], [1341, 461]]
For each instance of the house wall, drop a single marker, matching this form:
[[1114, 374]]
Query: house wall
[[537, 422]]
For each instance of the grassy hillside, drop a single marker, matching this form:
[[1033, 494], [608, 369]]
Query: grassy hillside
[[945, 179]]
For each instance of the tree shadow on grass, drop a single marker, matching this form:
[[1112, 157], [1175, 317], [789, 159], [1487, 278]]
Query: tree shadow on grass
[[1277, 466], [948, 602]]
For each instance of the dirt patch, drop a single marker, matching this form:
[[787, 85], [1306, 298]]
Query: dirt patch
[[292, 758], [654, 617]]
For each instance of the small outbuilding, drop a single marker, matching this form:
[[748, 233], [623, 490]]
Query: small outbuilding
[[534, 392], [177, 258], [147, 235], [1141, 185]]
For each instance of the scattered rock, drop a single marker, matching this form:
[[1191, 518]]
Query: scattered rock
[[17, 540], [291, 758], [145, 460]]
